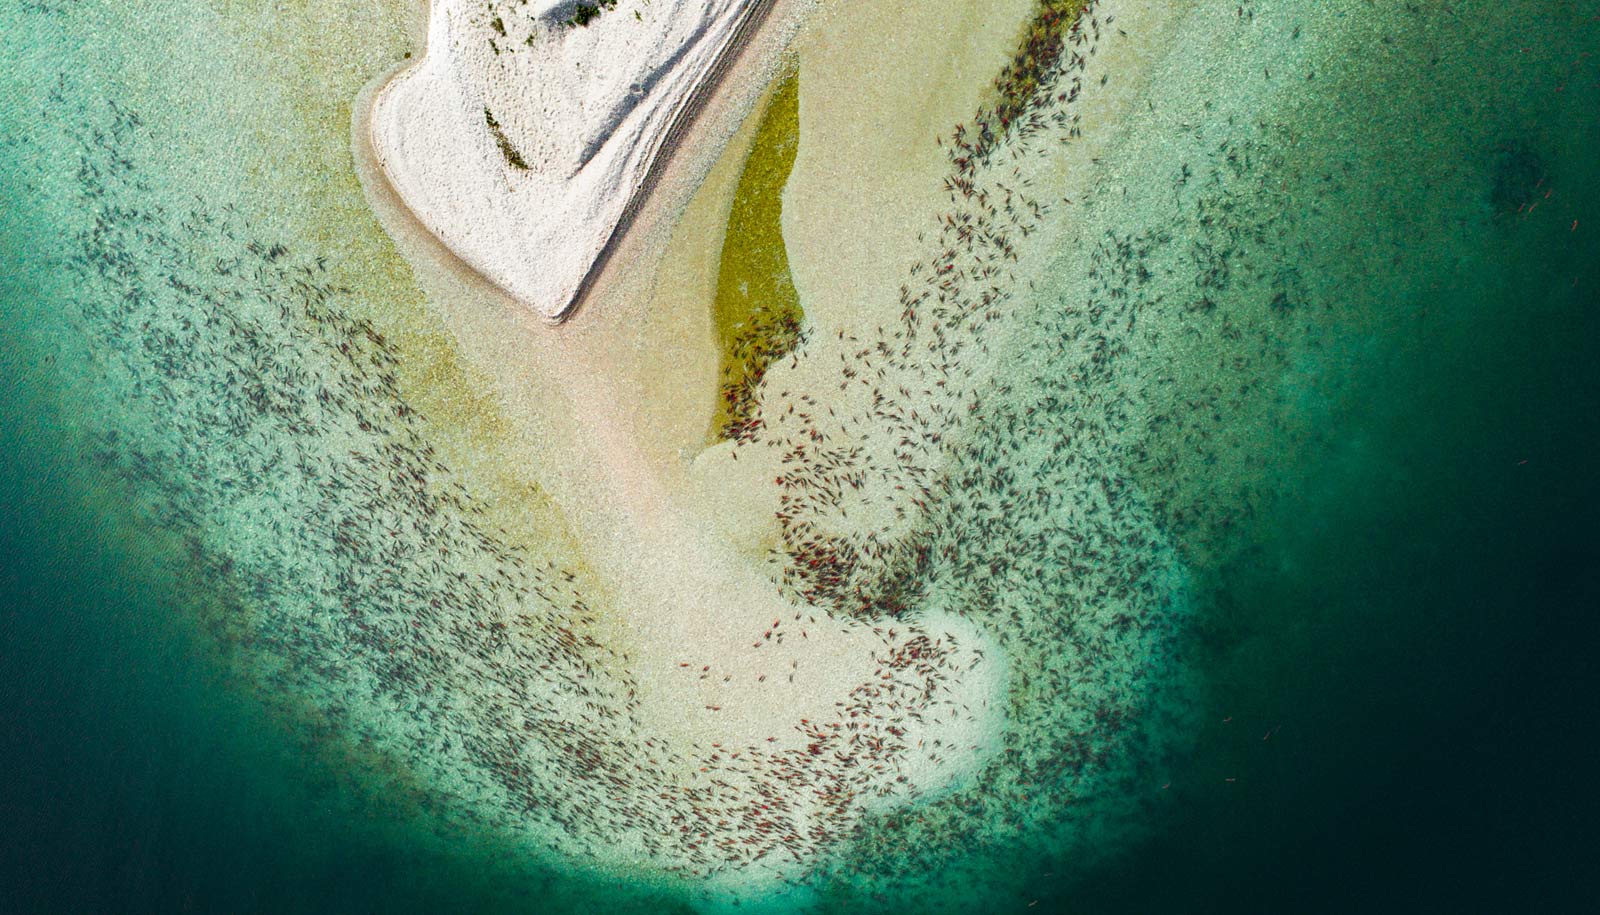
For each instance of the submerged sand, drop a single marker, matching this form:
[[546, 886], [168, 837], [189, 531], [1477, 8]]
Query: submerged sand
[[719, 657], [740, 579], [695, 674]]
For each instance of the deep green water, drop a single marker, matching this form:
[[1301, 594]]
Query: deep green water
[[139, 781], [1394, 647], [1404, 645]]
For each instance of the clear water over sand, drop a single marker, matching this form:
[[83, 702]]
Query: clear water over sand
[[1165, 397]]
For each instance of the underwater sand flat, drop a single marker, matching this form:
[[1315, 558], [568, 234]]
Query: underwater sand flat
[[679, 603], [667, 589]]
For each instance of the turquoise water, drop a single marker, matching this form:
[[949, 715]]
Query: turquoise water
[[1361, 425]]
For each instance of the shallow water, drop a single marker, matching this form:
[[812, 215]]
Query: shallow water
[[1312, 363]]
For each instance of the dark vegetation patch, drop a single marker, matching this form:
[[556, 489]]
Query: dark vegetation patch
[[512, 157]]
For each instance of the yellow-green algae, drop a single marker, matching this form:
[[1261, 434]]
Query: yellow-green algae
[[757, 311]]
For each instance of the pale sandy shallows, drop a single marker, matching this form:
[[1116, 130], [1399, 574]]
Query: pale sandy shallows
[[524, 141], [723, 661], [767, 726]]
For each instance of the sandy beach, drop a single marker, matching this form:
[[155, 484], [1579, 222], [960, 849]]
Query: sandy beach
[[528, 143]]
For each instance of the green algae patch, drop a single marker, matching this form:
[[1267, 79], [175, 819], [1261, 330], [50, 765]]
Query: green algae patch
[[757, 312]]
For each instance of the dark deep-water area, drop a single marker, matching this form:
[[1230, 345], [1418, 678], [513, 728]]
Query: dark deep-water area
[[1391, 689], [1415, 735]]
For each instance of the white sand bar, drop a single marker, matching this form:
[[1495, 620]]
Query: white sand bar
[[526, 142]]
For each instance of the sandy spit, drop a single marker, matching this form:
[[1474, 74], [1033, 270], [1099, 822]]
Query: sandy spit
[[529, 146]]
